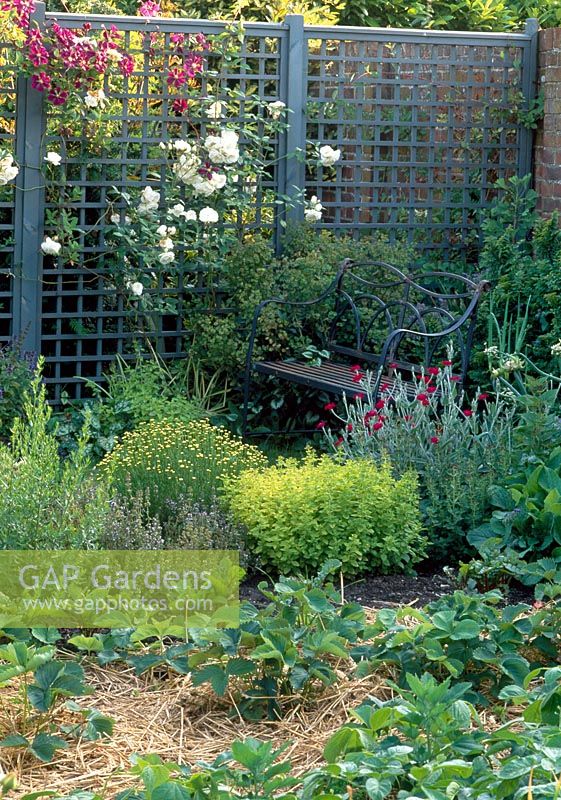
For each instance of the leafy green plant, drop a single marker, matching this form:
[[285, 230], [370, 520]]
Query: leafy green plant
[[460, 635], [17, 368], [458, 446], [191, 526], [46, 684], [46, 502], [528, 510], [130, 526], [283, 653], [170, 460], [300, 513]]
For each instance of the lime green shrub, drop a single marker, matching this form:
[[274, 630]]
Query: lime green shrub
[[172, 460], [300, 513]]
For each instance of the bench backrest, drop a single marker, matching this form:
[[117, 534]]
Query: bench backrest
[[375, 299]]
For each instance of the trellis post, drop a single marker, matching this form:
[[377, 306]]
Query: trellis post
[[29, 208], [293, 87]]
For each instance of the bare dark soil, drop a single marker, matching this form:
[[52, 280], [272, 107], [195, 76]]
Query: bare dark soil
[[379, 591]]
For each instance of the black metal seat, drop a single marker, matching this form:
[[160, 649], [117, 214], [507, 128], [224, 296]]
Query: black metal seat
[[431, 309]]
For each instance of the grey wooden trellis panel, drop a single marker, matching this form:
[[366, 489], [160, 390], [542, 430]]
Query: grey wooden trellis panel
[[424, 120]]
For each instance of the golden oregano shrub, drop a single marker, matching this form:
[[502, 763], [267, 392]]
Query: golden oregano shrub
[[300, 513]]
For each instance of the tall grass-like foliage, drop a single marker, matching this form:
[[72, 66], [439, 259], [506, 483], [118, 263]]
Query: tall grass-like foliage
[[458, 446], [301, 513], [174, 460], [45, 502]]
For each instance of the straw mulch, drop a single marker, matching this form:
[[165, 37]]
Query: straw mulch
[[170, 717]]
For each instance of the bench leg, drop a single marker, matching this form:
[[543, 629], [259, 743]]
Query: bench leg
[[245, 406]]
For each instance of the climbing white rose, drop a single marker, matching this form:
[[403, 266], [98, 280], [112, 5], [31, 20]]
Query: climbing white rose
[[313, 210], [149, 201], [53, 158], [276, 109], [187, 165], [329, 156], [136, 288], [215, 110], [8, 169], [166, 257], [208, 215], [50, 247], [223, 149]]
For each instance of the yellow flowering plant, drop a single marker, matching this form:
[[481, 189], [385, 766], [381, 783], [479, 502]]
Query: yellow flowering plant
[[173, 459]]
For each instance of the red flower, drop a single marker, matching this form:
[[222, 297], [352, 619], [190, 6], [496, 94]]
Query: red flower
[[321, 424], [431, 389], [350, 427], [380, 404], [384, 387], [422, 397], [369, 414], [377, 426], [427, 378], [357, 377], [338, 442], [446, 363], [356, 368], [467, 412], [455, 378], [329, 406], [425, 402], [359, 396], [483, 397], [433, 370], [434, 439]]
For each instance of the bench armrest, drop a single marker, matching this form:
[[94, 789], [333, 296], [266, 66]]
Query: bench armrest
[[333, 286], [482, 287]]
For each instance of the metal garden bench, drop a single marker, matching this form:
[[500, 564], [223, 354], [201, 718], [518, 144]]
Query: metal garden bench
[[383, 319]]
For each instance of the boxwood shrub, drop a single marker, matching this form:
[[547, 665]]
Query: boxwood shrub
[[300, 513]]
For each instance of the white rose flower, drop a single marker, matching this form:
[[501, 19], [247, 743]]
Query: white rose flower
[[181, 146], [135, 287], [276, 109], [162, 230], [50, 247], [215, 110], [8, 169], [223, 149], [165, 146], [190, 216], [149, 201], [166, 244], [96, 99], [208, 215], [53, 158], [329, 156], [166, 257], [187, 166], [207, 186], [115, 219], [177, 211], [556, 348], [313, 210]]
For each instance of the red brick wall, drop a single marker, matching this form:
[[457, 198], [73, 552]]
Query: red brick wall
[[547, 151]]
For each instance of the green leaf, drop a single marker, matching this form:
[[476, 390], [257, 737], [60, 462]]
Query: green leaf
[[213, 674], [171, 790], [44, 746], [14, 740]]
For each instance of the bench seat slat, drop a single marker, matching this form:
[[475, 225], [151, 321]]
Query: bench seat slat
[[328, 376]]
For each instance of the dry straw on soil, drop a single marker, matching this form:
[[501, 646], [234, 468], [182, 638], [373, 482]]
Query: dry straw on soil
[[170, 717]]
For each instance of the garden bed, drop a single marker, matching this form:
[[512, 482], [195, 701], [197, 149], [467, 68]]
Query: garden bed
[[181, 723]]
